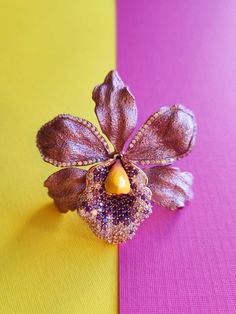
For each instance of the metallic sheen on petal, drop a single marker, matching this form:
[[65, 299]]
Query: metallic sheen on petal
[[69, 141], [65, 186], [115, 218], [167, 135], [170, 187], [116, 109]]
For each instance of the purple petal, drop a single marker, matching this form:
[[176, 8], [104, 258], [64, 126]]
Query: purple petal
[[167, 135], [115, 218], [116, 110], [64, 187], [70, 141], [170, 187]]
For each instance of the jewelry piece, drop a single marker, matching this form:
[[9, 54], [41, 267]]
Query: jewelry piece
[[114, 196]]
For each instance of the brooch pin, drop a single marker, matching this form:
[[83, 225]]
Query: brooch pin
[[114, 196]]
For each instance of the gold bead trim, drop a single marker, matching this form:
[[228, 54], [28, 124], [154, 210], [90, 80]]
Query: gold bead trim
[[148, 123], [85, 123]]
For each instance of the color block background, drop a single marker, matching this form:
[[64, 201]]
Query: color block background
[[184, 52], [52, 54]]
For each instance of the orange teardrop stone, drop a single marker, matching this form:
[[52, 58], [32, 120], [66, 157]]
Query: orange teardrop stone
[[117, 181]]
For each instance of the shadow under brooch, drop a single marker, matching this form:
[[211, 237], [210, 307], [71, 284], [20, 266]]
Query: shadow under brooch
[[114, 196]]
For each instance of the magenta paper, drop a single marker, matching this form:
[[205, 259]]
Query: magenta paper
[[185, 52]]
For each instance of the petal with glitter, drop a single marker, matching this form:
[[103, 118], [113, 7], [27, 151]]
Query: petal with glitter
[[170, 187], [167, 135], [69, 141], [116, 109], [115, 218], [65, 186]]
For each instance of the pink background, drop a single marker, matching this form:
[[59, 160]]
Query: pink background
[[185, 52]]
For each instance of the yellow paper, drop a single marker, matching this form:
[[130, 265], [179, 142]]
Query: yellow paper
[[52, 54]]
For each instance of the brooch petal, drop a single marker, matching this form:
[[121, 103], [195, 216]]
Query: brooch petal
[[115, 109], [170, 187], [65, 186], [69, 141], [167, 135]]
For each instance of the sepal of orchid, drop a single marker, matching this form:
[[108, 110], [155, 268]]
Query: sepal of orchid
[[65, 186], [115, 109], [170, 187], [167, 135], [115, 217], [70, 141]]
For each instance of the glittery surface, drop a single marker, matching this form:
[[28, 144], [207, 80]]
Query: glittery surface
[[115, 218], [167, 135], [116, 109], [65, 186], [170, 187], [69, 141]]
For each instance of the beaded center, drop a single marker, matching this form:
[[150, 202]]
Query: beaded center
[[115, 217]]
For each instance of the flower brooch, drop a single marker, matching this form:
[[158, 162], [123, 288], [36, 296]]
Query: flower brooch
[[114, 196]]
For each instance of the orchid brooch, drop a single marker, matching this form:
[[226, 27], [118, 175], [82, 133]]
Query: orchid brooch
[[114, 196]]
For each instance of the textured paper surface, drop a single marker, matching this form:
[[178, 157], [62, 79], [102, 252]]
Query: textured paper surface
[[52, 55], [184, 52]]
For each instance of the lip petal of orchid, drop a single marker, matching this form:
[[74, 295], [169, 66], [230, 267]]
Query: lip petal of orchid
[[69, 141], [115, 218], [167, 135], [170, 187], [65, 186], [115, 109]]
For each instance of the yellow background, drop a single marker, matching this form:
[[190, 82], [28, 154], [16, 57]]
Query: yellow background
[[52, 54]]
